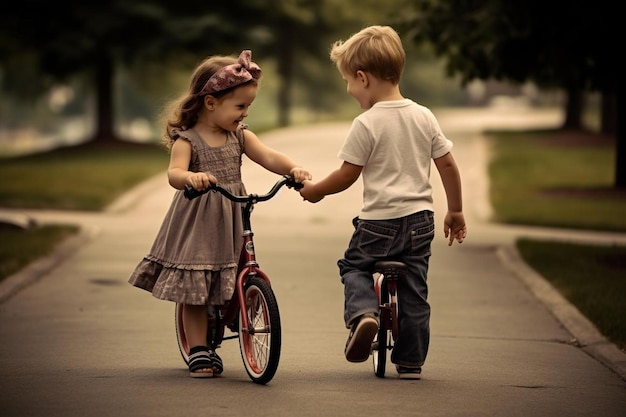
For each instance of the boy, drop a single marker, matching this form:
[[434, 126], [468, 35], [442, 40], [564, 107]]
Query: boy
[[392, 144]]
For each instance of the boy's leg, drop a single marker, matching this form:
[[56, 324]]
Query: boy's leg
[[361, 304], [371, 241], [359, 296], [412, 344], [360, 314], [411, 348]]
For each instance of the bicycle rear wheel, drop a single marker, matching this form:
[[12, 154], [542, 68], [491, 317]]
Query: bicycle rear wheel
[[260, 345], [379, 349], [181, 338]]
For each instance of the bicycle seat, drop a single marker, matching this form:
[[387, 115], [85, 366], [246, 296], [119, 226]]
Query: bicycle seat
[[390, 269]]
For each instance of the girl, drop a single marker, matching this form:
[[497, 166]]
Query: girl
[[193, 260]]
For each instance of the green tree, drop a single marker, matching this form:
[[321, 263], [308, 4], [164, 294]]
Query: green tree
[[94, 40], [297, 35], [68, 37], [557, 44]]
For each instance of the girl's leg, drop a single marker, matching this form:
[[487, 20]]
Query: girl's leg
[[195, 320]]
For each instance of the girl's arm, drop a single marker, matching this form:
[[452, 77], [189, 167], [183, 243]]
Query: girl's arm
[[272, 160], [454, 223], [178, 172]]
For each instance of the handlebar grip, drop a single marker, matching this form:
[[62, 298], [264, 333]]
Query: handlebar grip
[[191, 193], [291, 182]]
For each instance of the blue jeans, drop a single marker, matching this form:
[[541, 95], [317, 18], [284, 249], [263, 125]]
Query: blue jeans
[[406, 239]]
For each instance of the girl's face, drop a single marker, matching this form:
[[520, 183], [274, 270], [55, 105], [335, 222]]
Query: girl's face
[[231, 109]]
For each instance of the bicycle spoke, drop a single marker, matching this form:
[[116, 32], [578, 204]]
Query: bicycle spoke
[[260, 343]]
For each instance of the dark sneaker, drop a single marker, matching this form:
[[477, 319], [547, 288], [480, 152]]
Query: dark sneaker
[[359, 344], [405, 372]]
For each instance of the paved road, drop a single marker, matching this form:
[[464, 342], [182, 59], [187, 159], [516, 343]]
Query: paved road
[[78, 340]]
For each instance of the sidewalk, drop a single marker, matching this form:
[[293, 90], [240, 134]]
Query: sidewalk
[[78, 339]]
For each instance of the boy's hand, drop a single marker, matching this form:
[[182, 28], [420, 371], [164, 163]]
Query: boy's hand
[[454, 227], [308, 192]]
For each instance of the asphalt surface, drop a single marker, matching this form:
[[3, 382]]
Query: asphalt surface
[[78, 340]]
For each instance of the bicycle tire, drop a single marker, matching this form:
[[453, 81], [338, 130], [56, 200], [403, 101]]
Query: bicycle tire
[[260, 349], [379, 349], [181, 338]]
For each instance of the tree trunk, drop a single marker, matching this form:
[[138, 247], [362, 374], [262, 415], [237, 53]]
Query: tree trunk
[[104, 99], [620, 137], [574, 109], [285, 57], [608, 116]]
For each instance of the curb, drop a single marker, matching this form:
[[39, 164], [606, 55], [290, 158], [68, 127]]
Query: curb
[[32, 272], [131, 197], [586, 335]]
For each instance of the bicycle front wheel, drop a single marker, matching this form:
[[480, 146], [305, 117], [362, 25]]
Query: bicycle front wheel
[[260, 344]]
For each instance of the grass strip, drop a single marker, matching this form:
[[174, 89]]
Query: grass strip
[[85, 177], [591, 277], [19, 247]]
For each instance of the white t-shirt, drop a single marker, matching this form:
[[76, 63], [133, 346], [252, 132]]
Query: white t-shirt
[[394, 142]]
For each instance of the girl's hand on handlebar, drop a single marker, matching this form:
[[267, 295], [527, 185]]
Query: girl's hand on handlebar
[[200, 180], [300, 174]]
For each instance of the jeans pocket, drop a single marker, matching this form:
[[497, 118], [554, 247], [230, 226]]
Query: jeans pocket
[[374, 239], [422, 235]]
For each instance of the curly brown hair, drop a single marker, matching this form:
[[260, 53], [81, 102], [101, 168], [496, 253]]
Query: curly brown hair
[[182, 113]]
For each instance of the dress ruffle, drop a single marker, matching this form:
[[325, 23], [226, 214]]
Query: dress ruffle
[[208, 285]]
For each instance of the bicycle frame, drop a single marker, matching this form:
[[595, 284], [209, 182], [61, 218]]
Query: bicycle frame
[[388, 308], [252, 313], [248, 266], [386, 287]]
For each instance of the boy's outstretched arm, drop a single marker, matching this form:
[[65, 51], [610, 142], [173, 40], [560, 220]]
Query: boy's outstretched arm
[[337, 181], [454, 222]]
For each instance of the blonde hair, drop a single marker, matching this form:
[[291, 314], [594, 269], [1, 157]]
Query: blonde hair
[[375, 49]]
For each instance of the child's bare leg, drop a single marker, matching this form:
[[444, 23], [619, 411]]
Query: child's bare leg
[[195, 324]]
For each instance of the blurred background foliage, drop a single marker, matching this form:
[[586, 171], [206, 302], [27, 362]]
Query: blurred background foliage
[[105, 69], [109, 67]]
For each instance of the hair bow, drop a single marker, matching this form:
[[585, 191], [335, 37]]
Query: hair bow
[[233, 75]]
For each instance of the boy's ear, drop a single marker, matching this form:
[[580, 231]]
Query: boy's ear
[[362, 77]]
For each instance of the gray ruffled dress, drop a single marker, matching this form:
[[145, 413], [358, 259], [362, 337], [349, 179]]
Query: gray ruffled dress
[[194, 257]]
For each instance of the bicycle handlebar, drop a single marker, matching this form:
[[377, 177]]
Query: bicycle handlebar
[[288, 180]]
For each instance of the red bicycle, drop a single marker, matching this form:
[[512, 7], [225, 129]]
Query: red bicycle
[[386, 276], [252, 314]]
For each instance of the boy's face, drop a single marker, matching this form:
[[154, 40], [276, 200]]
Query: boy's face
[[356, 86]]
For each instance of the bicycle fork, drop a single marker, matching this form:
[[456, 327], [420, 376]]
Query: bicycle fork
[[248, 267]]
